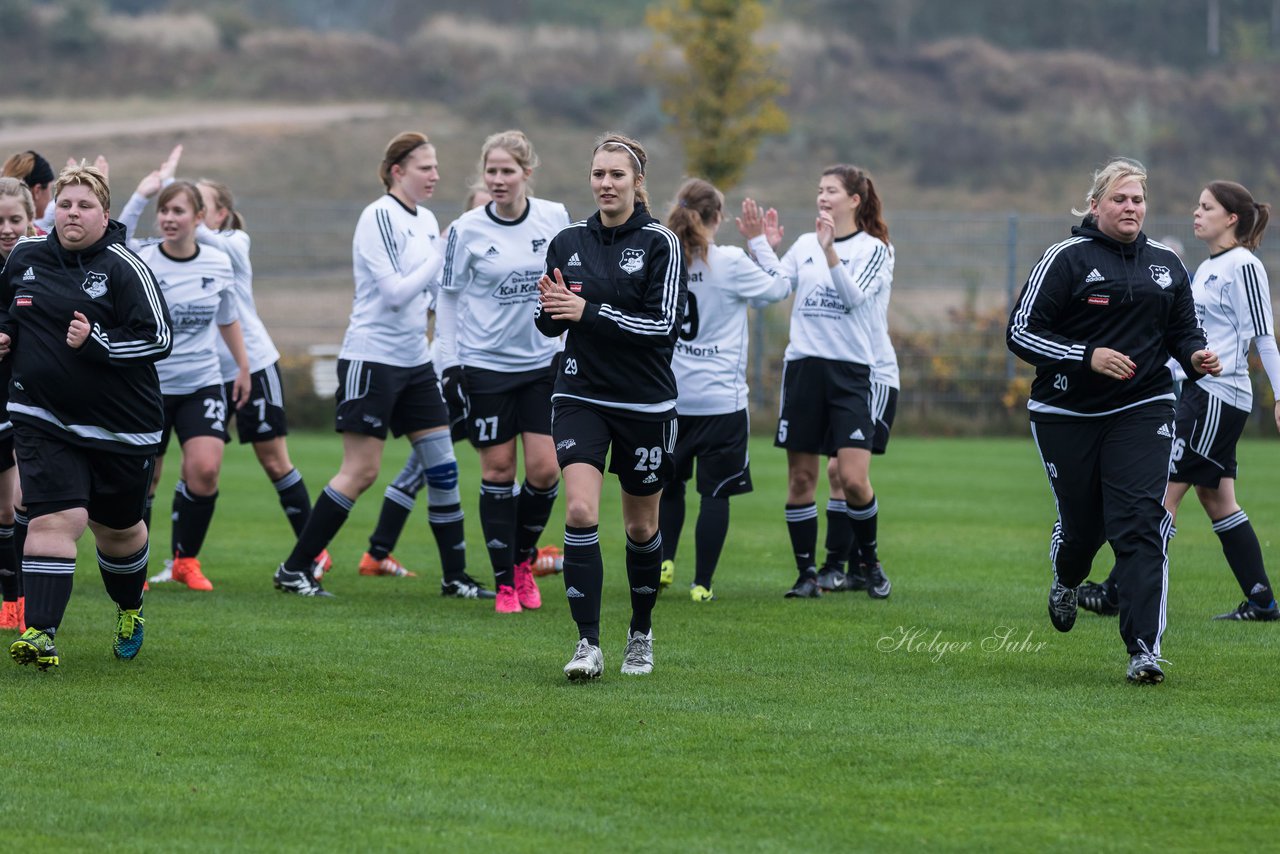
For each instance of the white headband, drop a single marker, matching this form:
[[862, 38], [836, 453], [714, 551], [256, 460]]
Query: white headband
[[634, 156]]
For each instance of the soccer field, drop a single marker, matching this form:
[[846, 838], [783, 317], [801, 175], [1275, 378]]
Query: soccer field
[[951, 716]]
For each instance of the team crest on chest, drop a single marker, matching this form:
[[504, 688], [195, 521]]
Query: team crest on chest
[[1160, 275], [632, 260], [538, 244], [94, 284]]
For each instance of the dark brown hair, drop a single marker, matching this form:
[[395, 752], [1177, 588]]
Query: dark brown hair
[[222, 196], [635, 156], [400, 147], [178, 188], [869, 216], [1252, 217]]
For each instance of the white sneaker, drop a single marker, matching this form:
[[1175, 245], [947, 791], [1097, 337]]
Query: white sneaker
[[165, 574], [637, 659], [587, 662]]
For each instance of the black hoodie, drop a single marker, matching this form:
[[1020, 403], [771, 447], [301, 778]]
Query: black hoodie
[[104, 394], [635, 285], [1091, 291]]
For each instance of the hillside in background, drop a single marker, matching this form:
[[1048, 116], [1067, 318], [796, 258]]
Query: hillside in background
[[944, 122]]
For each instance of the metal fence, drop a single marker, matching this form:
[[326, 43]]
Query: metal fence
[[956, 276]]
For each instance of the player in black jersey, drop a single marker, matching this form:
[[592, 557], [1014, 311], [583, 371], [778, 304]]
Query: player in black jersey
[[615, 283]]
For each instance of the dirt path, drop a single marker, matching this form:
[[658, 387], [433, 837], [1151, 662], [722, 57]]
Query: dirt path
[[214, 117]]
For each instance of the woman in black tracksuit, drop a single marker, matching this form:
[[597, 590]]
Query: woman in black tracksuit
[[616, 284], [1099, 316]]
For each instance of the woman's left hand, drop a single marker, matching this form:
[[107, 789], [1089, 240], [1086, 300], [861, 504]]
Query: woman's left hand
[[241, 387], [78, 331], [1206, 362], [825, 226], [557, 300]]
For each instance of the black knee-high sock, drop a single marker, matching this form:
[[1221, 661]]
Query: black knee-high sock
[[191, 517], [498, 523], [125, 575], [20, 522], [447, 526], [644, 567], [327, 517], [9, 566], [1244, 556], [839, 534], [397, 506], [533, 509], [709, 537], [584, 579], [294, 499], [802, 525], [862, 520], [48, 581], [671, 510]]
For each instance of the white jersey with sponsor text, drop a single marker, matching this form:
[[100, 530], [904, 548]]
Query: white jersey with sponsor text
[[822, 325], [390, 239], [494, 266], [200, 293], [257, 341], [1233, 306], [710, 359]]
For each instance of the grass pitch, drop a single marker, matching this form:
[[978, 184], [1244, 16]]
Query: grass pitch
[[951, 716]]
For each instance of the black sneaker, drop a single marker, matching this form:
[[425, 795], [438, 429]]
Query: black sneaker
[[806, 587], [1250, 611], [856, 579], [832, 579], [301, 583], [465, 587], [1062, 606], [1098, 598], [877, 583]]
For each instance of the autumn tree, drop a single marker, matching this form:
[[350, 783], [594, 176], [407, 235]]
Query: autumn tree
[[722, 95]]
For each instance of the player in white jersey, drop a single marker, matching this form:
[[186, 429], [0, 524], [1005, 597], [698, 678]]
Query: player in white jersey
[[496, 363], [198, 285], [710, 364], [836, 271], [385, 378], [1233, 306], [884, 406], [17, 220]]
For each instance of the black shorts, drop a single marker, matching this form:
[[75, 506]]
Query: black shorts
[[643, 443], [1204, 445], [501, 406], [826, 406], [57, 475], [373, 397], [6, 451], [884, 406], [262, 418], [201, 413], [719, 444]]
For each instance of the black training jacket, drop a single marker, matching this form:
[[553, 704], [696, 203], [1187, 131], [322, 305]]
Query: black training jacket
[[635, 285], [1091, 291], [104, 394]]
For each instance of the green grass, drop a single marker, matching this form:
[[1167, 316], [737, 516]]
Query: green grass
[[390, 718]]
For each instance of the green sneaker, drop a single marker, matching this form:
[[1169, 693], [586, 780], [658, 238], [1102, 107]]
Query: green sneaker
[[668, 574], [128, 639], [35, 647]]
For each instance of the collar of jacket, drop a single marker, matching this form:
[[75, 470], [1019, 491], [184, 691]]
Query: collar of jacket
[[1088, 227], [639, 218], [115, 234]]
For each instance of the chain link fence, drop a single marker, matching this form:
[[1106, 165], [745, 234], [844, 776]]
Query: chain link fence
[[956, 277]]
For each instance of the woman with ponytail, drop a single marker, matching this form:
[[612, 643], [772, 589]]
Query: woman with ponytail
[[1233, 302], [836, 273], [710, 366]]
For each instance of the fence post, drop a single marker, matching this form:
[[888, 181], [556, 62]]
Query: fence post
[[1011, 285]]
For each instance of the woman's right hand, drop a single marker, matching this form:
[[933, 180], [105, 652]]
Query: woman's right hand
[[1112, 363], [751, 223]]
